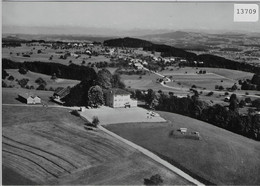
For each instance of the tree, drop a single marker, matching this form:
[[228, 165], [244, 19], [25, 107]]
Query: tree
[[95, 121], [149, 97], [95, 96], [256, 79], [242, 103], [41, 87], [4, 84], [248, 100], [104, 78], [233, 103], [154, 180], [116, 81], [23, 82], [22, 70], [4, 74], [256, 103], [234, 87], [54, 77], [221, 87], [40, 81], [11, 78]]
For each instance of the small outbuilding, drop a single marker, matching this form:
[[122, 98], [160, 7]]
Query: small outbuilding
[[29, 98]]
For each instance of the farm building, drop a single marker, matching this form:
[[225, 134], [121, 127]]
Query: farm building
[[119, 98], [29, 98], [60, 93]]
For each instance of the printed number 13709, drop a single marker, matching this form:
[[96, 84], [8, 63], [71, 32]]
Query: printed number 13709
[[246, 11]]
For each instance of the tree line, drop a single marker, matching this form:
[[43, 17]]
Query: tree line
[[225, 117], [72, 71]]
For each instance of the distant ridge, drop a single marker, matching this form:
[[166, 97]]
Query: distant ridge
[[149, 46], [128, 42], [173, 35]]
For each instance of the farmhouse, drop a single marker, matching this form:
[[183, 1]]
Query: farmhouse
[[60, 93], [119, 98], [29, 98]]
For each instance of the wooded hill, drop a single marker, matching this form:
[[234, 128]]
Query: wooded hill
[[168, 51]]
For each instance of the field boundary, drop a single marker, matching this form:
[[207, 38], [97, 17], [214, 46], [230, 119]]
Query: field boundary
[[153, 156]]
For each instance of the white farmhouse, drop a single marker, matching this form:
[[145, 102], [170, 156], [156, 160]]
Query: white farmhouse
[[29, 98], [117, 98]]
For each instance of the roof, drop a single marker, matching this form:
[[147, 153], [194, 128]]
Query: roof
[[27, 95], [118, 91], [62, 92]]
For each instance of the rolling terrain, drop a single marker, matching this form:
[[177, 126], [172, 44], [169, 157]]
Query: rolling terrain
[[220, 157], [43, 145]]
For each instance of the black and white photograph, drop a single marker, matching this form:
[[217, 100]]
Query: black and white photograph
[[130, 92]]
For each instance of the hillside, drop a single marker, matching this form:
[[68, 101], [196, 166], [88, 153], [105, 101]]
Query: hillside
[[49, 146], [127, 42], [220, 157], [168, 35]]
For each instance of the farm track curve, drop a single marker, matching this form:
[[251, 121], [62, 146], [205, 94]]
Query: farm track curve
[[42, 150]]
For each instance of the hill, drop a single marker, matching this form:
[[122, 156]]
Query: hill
[[148, 46], [220, 157], [168, 35], [49, 146], [127, 42]]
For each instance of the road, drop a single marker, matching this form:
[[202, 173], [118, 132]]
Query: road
[[137, 147], [164, 84], [153, 156]]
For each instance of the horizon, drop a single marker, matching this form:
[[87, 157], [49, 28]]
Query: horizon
[[119, 18]]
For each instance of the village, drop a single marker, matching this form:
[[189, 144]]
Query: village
[[125, 93]]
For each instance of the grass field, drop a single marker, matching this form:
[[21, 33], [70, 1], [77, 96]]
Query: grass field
[[146, 82], [10, 95], [50, 146], [32, 76], [46, 53], [227, 73], [221, 157]]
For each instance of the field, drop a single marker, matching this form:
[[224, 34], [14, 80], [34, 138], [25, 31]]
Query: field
[[32, 76], [187, 77], [220, 157], [109, 115], [147, 81], [10, 95], [50, 146], [11, 53]]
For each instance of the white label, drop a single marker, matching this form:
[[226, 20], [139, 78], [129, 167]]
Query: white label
[[246, 12]]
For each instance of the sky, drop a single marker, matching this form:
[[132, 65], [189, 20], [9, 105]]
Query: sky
[[112, 17]]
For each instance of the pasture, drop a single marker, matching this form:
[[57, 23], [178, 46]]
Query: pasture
[[220, 157], [47, 52], [50, 146], [147, 81], [10, 95], [32, 76], [108, 115]]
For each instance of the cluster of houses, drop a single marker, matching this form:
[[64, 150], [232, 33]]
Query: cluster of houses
[[115, 98]]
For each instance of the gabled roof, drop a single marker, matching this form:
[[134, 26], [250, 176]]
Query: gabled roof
[[62, 92], [118, 91], [27, 95]]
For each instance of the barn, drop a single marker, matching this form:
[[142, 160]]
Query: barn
[[59, 94], [29, 98]]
